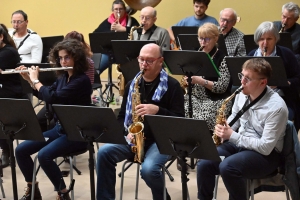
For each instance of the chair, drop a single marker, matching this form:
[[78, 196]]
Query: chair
[[72, 166], [287, 169], [1, 182], [130, 162]]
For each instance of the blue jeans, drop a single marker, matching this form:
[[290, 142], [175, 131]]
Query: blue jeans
[[57, 145], [104, 63], [108, 157], [240, 164]]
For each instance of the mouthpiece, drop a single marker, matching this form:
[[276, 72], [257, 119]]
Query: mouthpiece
[[265, 51]]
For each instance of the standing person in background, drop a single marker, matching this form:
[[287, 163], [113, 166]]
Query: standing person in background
[[10, 84], [198, 19], [234, 39], [118, 21], [289, 16], [150, 31], [29, 43]]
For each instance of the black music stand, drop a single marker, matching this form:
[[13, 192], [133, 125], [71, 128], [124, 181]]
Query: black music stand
[[182, 137], [183, 30], [101, 43], [278, 77], [285, 40], [190, 42], [18, 121], [90, 124], [127, 58], [48, 43], [190, 63]]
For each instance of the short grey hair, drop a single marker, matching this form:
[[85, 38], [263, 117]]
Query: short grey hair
[[291, 7], [266, 27], [234, 12]]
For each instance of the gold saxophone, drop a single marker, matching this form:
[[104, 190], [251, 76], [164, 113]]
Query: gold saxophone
[[137, 127], [121, 79], [221, 117]]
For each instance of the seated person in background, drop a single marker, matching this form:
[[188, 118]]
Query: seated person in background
[[72, 87], [10, 84], [118, 21], [288, 23], [252, 145], [160, 95], [266, 36], [199, 18], [234, 39], [209, 93], [29, 43], [150, 31]]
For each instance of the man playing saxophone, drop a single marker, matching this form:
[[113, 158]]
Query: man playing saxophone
[[252, 145], [159, 94]]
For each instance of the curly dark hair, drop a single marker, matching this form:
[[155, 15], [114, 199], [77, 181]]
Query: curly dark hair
[[75, 49]]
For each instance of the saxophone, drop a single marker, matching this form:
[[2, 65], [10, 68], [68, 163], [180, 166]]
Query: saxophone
[[282, 28], [121, 79], [221, 117], [265, 52], [137, 127]]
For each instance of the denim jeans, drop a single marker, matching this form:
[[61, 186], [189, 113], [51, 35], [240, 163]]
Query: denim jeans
[[108, 157], [57, 145], [240, 164], [104, 63]]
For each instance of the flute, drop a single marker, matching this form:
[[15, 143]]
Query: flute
[[13, 71]]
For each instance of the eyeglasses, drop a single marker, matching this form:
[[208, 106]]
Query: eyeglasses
[[226, 20], [17, 22], [207, 39], [66, 59], [141, 60], [118, 9], [146, 18], [241, 76]]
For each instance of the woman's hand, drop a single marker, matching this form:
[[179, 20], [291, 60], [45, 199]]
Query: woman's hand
[[33, 73]]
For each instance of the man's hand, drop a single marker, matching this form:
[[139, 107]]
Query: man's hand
[[223, 132], [144, 109]]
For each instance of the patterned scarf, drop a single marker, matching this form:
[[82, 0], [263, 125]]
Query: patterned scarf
[[158, 94], [122, 20]]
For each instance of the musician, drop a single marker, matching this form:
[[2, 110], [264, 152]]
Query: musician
[[198, 19], [234, 39], [208, 93], [266, 36], [160, 95], [10, 84], [150, 31], [72, 87], [118, 21], [28, 42], [289, 17], [252, 145]]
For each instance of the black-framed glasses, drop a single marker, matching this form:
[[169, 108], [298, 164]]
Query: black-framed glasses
[[247, 80], [207, 39], [65, 58], [148, 61], [226, 20], [17, 22]]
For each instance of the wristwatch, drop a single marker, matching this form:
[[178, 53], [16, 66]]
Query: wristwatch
[[35, 81], [205, 82]]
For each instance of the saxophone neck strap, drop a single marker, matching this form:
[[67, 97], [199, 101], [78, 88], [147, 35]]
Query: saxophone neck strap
[[245, 108]]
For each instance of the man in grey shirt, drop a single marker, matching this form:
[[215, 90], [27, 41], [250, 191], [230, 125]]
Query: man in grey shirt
[[150, 31], [252, 145]]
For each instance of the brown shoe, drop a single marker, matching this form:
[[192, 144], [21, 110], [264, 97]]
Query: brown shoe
[[63, 196], [37, 193]]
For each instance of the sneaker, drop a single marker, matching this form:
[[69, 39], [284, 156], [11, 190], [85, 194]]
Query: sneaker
[[63, 196], [37, 193]]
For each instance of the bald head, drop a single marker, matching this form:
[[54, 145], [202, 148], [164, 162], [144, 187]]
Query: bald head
[[230, 12], [150, 11]]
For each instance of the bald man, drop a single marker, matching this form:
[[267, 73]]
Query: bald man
[[234, 39], [150, 31], [160, 95]]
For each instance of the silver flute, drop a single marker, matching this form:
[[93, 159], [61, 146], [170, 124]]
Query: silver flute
[[13, 71]]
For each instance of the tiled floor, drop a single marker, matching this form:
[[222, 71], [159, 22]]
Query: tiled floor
[[82, 184]]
